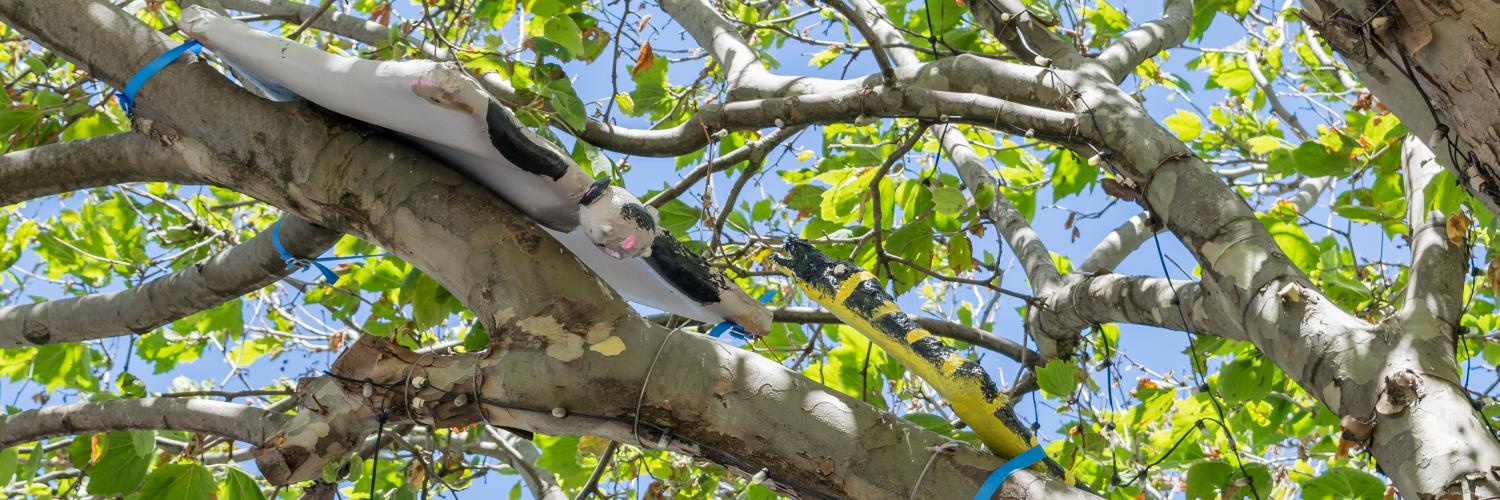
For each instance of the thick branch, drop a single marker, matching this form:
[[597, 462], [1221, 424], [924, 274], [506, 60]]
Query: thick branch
[[1435, 286], [1087, 300], [902, 102], [230, 420], [101, 161], [247, 267], [738, 61], [1136, 46]]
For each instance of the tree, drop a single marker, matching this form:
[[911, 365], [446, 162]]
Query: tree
[[1311, 364]]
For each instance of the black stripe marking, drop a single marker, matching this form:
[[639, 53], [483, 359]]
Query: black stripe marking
[[867, 299], [685, 270], [507, 136]]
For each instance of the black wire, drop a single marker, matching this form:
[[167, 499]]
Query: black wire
[[664, 431], [1180, 439], [375, 466], [1198, 376]]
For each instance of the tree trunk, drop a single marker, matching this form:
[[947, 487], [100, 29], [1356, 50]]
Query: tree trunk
[[1436, 65]]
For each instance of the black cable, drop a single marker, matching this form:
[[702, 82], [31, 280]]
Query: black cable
[[375, 466], [667, 432], [1198, 376], [1180, 439]]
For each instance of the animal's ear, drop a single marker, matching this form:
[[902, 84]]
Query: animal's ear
[[654, 214]]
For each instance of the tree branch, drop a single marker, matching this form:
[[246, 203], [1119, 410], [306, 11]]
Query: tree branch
[[877, 45], [1435, 287], [1085, 300], [230, 420], [100, 161], [1018, 234], [1024, 34], [247, 267], [903, 102], [1136, 46]]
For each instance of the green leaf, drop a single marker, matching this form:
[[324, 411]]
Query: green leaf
[[121, 467], [1072, 174], [1187, 126], [563, 31], [1058, 378], [93, 125], [1314, 160], [10, 459], [1205, 479], [678, 217], [238, 485], [1294, 242], [1264, 144], [144, 442], [178, 482], [1233, 75], [65, 365], [570, 108], [477, 338], [948, 200], [1343, 482]]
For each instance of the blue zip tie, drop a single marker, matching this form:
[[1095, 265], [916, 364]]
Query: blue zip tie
[[737, 331], [1026, 459], [132, 87], [294, 262]]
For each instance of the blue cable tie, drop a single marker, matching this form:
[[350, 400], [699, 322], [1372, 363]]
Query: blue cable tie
[[298, 263], [1026, 459], [132, 87], [735, 330]]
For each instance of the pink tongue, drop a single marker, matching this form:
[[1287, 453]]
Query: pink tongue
[[629, 243]]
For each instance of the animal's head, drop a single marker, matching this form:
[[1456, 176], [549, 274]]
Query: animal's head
[[617, 222], [799, 259]]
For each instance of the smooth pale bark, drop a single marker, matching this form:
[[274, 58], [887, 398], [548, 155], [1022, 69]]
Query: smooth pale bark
[[245, 268], [89, 163], [230, 420]]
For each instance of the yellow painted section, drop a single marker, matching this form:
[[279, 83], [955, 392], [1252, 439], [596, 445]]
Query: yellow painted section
[[848, 287], [884, 309], [966, 396], [951, 364]]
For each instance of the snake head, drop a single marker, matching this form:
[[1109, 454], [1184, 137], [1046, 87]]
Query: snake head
[[617, 222], [800, 260]]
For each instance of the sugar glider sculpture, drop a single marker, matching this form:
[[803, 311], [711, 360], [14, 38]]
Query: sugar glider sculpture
[[444, 111]]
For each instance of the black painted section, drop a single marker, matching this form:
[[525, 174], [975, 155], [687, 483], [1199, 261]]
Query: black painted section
[[637, 213], [814, 267], [685, 270], [595, 189], [511, 141], [868, 297]]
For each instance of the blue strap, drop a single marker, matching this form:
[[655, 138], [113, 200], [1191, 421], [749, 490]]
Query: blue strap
[[294, 262], [127, 97], [1026, 459], [735, 330]]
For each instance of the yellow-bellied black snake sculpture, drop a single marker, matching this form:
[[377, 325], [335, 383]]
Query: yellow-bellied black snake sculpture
[[856, 297]]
